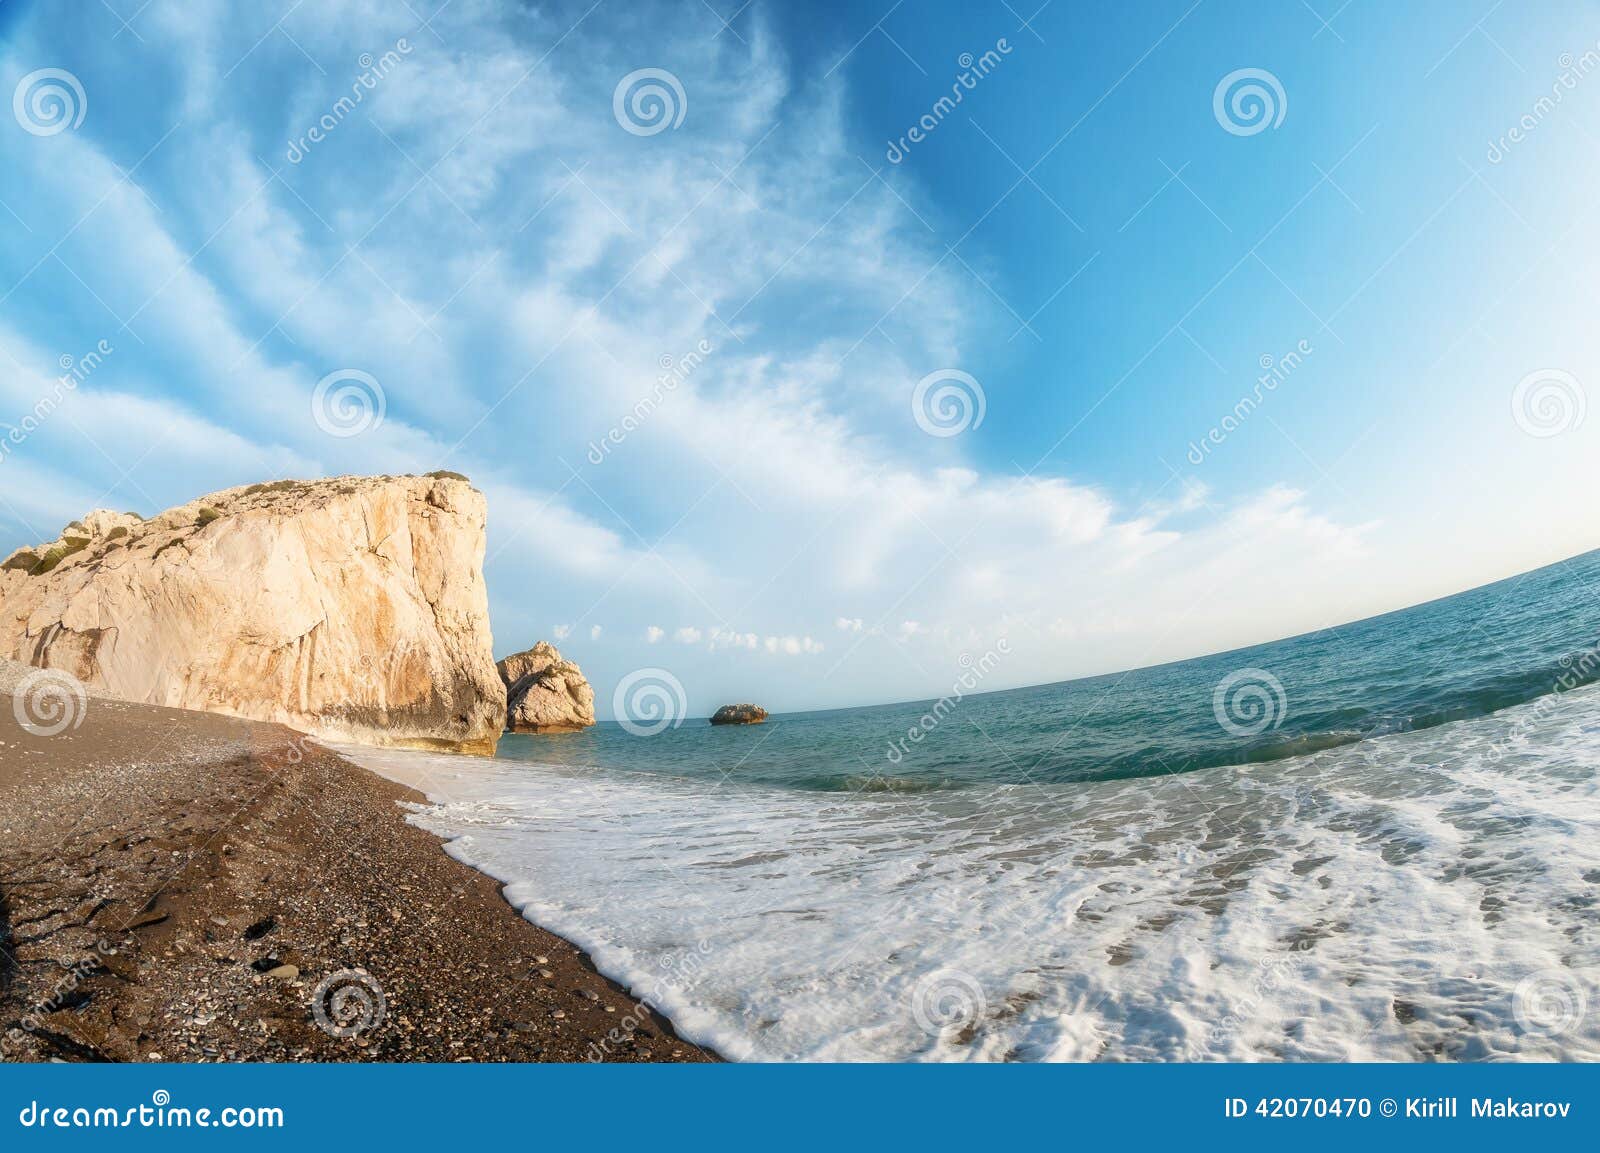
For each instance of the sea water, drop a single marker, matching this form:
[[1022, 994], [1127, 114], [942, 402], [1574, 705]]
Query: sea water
[[1381, 841]]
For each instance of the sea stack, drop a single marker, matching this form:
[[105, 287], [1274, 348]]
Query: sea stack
[[545, 692], [739, 715], [352, 608]]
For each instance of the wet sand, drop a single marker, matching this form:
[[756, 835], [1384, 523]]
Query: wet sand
[[177, 886]]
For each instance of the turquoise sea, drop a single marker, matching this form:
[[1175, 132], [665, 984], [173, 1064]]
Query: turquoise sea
[[1453, 659]]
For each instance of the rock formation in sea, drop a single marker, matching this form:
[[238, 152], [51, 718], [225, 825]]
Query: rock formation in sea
[[545, 692], [352, 608], [739, 715]]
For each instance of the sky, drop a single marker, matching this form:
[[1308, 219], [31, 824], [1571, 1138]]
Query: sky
[[1191, 325]]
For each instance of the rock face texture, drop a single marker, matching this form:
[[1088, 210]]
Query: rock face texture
[[352, 608], [545, 692], [739, 715]]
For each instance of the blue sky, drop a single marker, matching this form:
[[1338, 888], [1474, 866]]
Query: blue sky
[[512, 255]]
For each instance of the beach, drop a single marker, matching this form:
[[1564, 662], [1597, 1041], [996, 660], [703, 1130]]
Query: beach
[[1372, 843], [180, 886], [1417, 897]]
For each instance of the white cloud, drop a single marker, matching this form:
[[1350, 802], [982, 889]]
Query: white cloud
[[594, 633], [688, 635], [562, 632], [653, 634], [791, 645], [848, 624]]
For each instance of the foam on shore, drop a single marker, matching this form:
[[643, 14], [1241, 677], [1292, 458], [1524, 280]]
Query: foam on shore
[[1420, 896]]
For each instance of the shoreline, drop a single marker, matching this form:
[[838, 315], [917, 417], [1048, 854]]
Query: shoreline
[[662, 981], [181, 886]]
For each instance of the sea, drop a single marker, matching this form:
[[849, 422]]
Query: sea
[[1380, 841]]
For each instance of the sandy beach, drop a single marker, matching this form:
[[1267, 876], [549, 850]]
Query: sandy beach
[[180, 886]]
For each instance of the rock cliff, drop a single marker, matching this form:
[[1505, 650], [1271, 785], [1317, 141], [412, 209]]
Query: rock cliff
[[352, 608]]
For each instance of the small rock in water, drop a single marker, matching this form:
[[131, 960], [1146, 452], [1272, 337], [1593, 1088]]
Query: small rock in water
[[745, 714]]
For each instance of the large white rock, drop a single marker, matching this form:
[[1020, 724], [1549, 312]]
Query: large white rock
[[545, 692], [352, 608]]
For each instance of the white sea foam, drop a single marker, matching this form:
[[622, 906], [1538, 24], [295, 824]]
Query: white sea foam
[[1413, 897]]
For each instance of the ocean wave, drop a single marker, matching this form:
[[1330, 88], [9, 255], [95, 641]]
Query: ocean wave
[[1420, 708], [1392, 899]]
